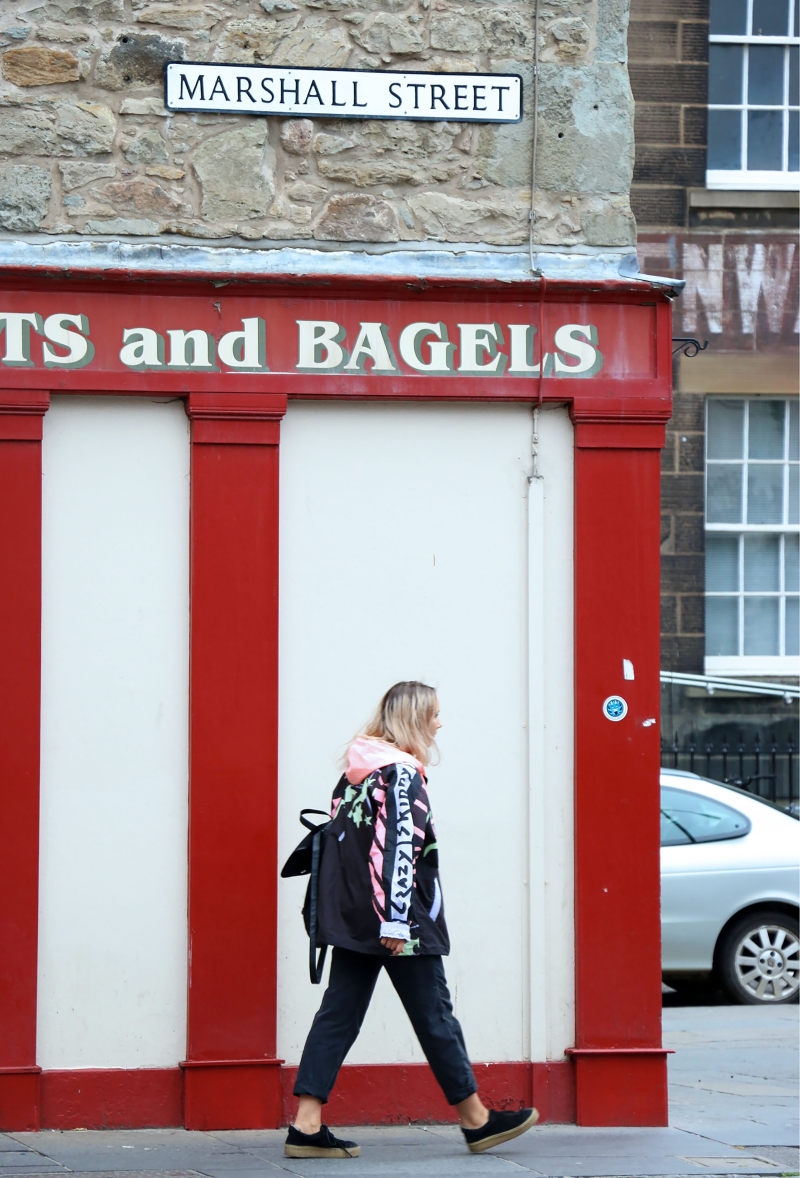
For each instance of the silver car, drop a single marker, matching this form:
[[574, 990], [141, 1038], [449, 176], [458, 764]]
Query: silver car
[[729, 890]]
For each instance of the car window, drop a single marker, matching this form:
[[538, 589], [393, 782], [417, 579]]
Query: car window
[[693, 818]]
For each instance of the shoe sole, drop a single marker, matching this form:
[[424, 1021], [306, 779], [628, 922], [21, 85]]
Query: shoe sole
[[320, 1151], [499, 1138]]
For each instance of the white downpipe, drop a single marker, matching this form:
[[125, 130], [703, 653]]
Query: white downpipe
[[537, 883], [551, 996]]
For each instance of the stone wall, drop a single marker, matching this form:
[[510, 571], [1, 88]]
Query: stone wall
[[88, 148]]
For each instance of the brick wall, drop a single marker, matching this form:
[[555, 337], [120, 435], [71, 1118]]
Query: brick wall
[[668, 64]]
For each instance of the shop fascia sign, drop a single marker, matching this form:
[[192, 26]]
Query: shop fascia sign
[[353, 94], [65, 340]]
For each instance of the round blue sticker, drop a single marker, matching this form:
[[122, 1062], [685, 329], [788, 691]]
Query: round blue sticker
[[615, 708]]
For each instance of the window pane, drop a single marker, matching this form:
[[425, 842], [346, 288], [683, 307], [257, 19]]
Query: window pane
[[722, 564], [794, 438], [766, 429], [792, 625], [725, 139], [794, 59], [794, 494], [728, 16], [725, 428], [791, 575], [794, 142], [724, 493], [764, 494], [722, 625], [765, 75], [703, 819], [765, 141], [761, 625], [762, 568], [770, 18], [725, 74]]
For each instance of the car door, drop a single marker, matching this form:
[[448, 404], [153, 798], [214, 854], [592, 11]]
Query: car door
[[704, 875]]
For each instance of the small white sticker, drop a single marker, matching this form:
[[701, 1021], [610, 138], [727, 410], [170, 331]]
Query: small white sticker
[[615, 708], [627, 669]]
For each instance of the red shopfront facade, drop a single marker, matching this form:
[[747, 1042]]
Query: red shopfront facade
[[237, 354]]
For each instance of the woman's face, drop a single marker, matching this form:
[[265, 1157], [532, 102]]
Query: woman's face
[[435, 722]]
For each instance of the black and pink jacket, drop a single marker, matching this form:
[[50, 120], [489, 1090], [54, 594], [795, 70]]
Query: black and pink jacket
[[380, 868]]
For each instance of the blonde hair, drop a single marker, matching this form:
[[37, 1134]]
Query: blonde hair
[[404, 718]]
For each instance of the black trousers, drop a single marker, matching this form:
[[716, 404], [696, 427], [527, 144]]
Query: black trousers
[[422, 987]]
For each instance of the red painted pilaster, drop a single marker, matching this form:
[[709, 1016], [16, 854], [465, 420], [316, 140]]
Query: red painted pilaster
[[21, 416], [620, 1064], [231, 1075]]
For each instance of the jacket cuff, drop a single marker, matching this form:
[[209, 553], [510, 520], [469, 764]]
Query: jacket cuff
[[397, 929]]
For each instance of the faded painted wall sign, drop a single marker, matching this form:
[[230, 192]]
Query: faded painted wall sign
[[736, 288], [353, 94]]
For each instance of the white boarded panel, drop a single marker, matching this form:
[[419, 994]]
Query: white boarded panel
[[112, 951], [404, 550]]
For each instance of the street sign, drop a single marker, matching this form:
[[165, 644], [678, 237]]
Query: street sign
[[348, 94]]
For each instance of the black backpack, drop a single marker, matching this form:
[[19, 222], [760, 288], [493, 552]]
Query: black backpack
[[305, 859]]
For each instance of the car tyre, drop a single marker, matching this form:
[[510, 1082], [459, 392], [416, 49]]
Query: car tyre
[[758, 959]]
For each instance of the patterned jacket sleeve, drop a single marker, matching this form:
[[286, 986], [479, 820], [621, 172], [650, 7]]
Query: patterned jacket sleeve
[[402, 811]]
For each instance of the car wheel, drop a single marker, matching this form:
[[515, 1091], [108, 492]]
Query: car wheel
[[758, 959]]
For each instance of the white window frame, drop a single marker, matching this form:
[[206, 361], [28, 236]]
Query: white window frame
[[722, 178], [741, 664]]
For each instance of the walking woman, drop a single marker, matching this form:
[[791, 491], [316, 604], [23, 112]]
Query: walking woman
[[380, 907]]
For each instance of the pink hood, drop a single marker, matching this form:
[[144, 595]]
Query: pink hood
[[368, 753]]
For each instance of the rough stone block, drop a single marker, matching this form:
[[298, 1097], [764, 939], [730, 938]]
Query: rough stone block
[[147, 148], [391, 36], [34, 66], [137, 60], [236, 172], [585, 129], [610, 224], [24, 197], [27, 131], [612, 31], [357, 217], [82, 10], [125, 227], [85, 128], [457, 31], [75, 175], [496, 219]]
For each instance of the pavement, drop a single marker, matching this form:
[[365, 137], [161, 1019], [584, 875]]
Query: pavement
[[733, 1111]]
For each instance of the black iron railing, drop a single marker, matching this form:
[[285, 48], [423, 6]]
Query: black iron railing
[[765, 766]]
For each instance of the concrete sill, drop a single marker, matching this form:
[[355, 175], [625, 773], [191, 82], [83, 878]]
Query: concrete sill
[[723, 198]]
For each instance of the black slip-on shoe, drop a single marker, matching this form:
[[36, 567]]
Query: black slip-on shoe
[[318, 1145], [499, 1128]]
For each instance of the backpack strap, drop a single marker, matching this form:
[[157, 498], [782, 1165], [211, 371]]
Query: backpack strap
[[316, 957]]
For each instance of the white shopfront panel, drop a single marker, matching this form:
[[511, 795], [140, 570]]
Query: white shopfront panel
[[405, 545], [112, 936]]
